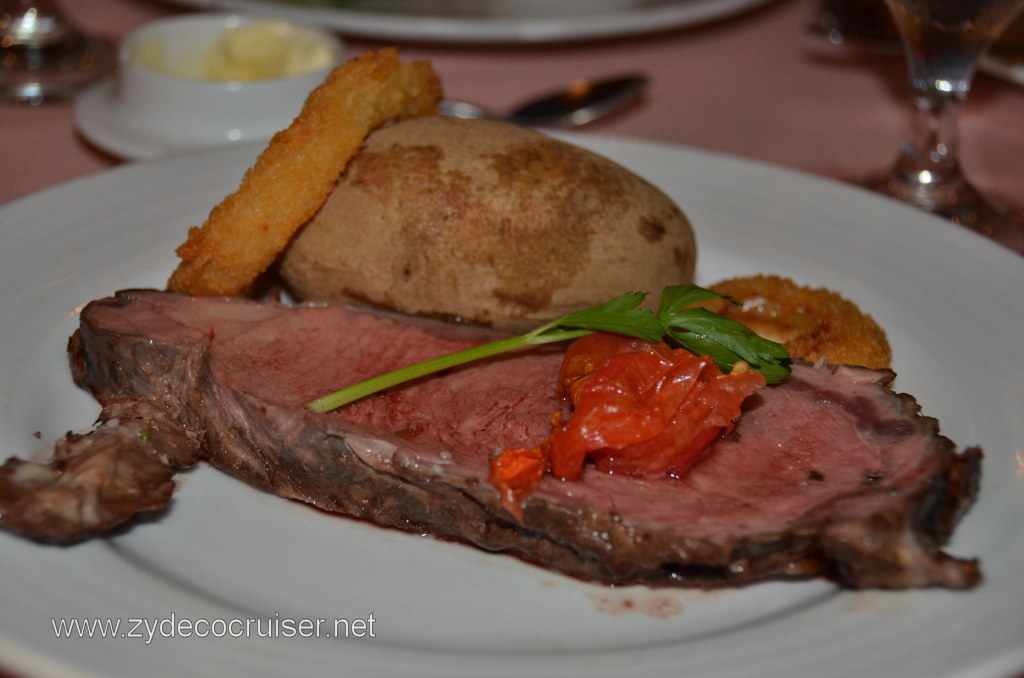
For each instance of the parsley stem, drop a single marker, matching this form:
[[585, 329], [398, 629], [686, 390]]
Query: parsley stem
[[542, 335], [700, 331]]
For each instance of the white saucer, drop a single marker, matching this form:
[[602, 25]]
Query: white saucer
[[102, 121]]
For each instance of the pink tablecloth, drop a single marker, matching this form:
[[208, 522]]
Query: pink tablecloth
[[754, 85]]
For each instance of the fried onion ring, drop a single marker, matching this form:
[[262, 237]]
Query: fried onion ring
[[811, 323], [293, 176]]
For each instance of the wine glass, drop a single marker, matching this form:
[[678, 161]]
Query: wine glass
[[43, 57], [943, 41]]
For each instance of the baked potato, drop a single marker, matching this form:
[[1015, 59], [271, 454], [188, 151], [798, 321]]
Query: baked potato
[[489, 223]]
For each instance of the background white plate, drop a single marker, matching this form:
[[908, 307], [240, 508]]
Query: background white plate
[[490, 20], [950, 301], [994, 64]]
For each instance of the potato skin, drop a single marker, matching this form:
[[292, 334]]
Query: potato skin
[[488, 223]]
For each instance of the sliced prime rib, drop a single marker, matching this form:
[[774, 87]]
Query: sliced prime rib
[[828, 474]]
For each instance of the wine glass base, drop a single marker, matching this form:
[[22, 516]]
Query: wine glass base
[[962, 204], [36, 75]]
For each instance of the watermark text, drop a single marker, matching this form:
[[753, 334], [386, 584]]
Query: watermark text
[[148, 629]]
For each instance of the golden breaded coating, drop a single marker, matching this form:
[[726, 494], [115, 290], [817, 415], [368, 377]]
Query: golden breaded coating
[[294, 174], [811, 323]]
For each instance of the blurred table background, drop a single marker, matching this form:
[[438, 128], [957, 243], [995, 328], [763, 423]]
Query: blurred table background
[[755, 84]]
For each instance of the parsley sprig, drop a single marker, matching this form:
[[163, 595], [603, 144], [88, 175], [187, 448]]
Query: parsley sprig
[[696, 329]]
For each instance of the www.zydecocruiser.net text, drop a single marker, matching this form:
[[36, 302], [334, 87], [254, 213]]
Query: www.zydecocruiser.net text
[[149, 629]]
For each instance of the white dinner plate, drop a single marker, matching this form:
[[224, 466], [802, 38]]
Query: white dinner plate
[[491, 21], [1008, 69], [225, 554]]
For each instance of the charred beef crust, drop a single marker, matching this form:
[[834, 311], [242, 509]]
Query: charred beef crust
[[95, 482], [125, 465], [885, 532]]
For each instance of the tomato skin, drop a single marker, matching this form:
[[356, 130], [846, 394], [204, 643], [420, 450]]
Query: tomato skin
[[590, 351], [639, 408]]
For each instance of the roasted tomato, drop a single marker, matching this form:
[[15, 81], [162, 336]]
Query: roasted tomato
[[591, 351], [639, 408], [645, 408], [517, 472]]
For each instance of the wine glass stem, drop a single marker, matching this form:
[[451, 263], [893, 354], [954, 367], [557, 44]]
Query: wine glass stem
[[929, 150], [928, 166]]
